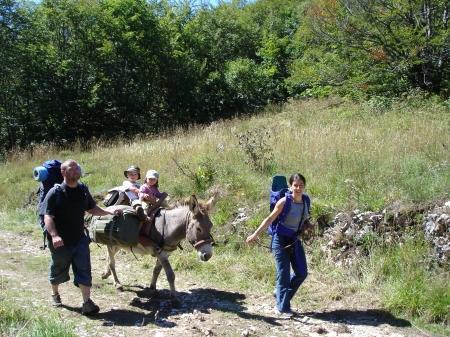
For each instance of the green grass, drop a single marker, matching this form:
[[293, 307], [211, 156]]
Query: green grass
[[234, 266], [352, 157], [18, 321], [407, 286], [37, 263], [408, 281]]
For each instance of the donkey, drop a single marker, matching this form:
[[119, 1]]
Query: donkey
[[171, 227]]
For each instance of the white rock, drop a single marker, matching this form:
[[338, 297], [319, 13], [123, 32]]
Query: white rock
[[447, 206]]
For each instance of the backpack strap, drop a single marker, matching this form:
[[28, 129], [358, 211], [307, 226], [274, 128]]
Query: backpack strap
[[44, 239], [286, 208], [61, 188], [306, 208], [59, 191], [280, 219], [307, 201]]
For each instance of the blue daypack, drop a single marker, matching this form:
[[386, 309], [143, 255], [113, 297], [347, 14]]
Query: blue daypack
[[279, 190], [48, 175]]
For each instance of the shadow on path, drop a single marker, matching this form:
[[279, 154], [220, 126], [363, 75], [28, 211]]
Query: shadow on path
[[197, 300], [371, 317], [157, 309], [121, 317]]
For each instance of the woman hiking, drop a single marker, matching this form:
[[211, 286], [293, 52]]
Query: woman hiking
[[288, 216]]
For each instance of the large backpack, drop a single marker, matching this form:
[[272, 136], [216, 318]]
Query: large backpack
[[116, 196], [279, 190], [120, 230], [48, 175]]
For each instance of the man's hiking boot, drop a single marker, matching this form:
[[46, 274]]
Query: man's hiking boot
[[56, 300], [141, 213], [89, 308]]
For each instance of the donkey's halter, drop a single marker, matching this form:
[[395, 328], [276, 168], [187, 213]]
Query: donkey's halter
[[198, 243]]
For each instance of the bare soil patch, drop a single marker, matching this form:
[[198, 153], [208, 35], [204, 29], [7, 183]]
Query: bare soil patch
[[206, 310]]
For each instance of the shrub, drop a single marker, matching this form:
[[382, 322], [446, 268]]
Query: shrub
[[317, 92], [204, 176], [379, 104]]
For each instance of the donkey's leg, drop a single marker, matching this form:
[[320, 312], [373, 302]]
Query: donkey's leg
[[156, 272], [107, 271], [164, 260], [112, 251]]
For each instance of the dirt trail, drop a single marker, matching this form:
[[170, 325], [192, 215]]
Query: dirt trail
[[205, 311]]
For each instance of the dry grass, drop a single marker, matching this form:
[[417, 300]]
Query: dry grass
[[333, 143]]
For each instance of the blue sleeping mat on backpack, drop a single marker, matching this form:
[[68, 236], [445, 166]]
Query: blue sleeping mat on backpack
[[279, 189], [278, 183]]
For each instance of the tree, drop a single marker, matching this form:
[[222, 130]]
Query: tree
[[387, 39], [130, 65], [13, 19]]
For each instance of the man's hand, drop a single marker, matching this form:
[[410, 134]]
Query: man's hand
[[117, 212], [57, 241]]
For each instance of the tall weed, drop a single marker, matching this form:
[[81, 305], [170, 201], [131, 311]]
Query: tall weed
[[256, 144]]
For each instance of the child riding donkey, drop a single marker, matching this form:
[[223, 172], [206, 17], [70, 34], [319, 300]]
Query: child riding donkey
[[150, 199], [133, 174]]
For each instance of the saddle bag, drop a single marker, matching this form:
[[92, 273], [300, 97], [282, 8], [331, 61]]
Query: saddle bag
[[120, 230]]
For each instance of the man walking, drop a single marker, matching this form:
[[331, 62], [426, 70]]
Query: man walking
[[65, 205]]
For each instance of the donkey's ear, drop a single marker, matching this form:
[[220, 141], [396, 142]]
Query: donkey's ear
[[193, 204], [212, 202]]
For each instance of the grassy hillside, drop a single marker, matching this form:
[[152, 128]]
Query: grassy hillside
[[353, 156]]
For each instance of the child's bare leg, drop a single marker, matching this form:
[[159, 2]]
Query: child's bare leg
[[140, 213], [151, 212], [154, 206]]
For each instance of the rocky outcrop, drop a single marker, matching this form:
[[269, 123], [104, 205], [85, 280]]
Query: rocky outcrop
[[437, 232], [350, 235]]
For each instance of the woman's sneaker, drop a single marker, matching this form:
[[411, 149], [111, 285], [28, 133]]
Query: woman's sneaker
[[282, 314], [56, 300], [89, 308]]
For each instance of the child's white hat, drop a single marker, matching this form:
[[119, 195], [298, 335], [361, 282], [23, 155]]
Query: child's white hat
[[152, 174]]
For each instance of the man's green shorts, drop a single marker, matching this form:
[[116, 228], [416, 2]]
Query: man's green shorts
[[77, 256]]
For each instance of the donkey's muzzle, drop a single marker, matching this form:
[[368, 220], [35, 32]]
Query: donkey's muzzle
[[205, 252]]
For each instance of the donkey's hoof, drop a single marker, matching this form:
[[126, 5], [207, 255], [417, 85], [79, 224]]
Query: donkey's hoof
[[105, 275], [151, 291], [176, 303], [119, 287]]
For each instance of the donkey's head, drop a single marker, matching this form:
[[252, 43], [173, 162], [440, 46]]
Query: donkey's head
[[199, 227]]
